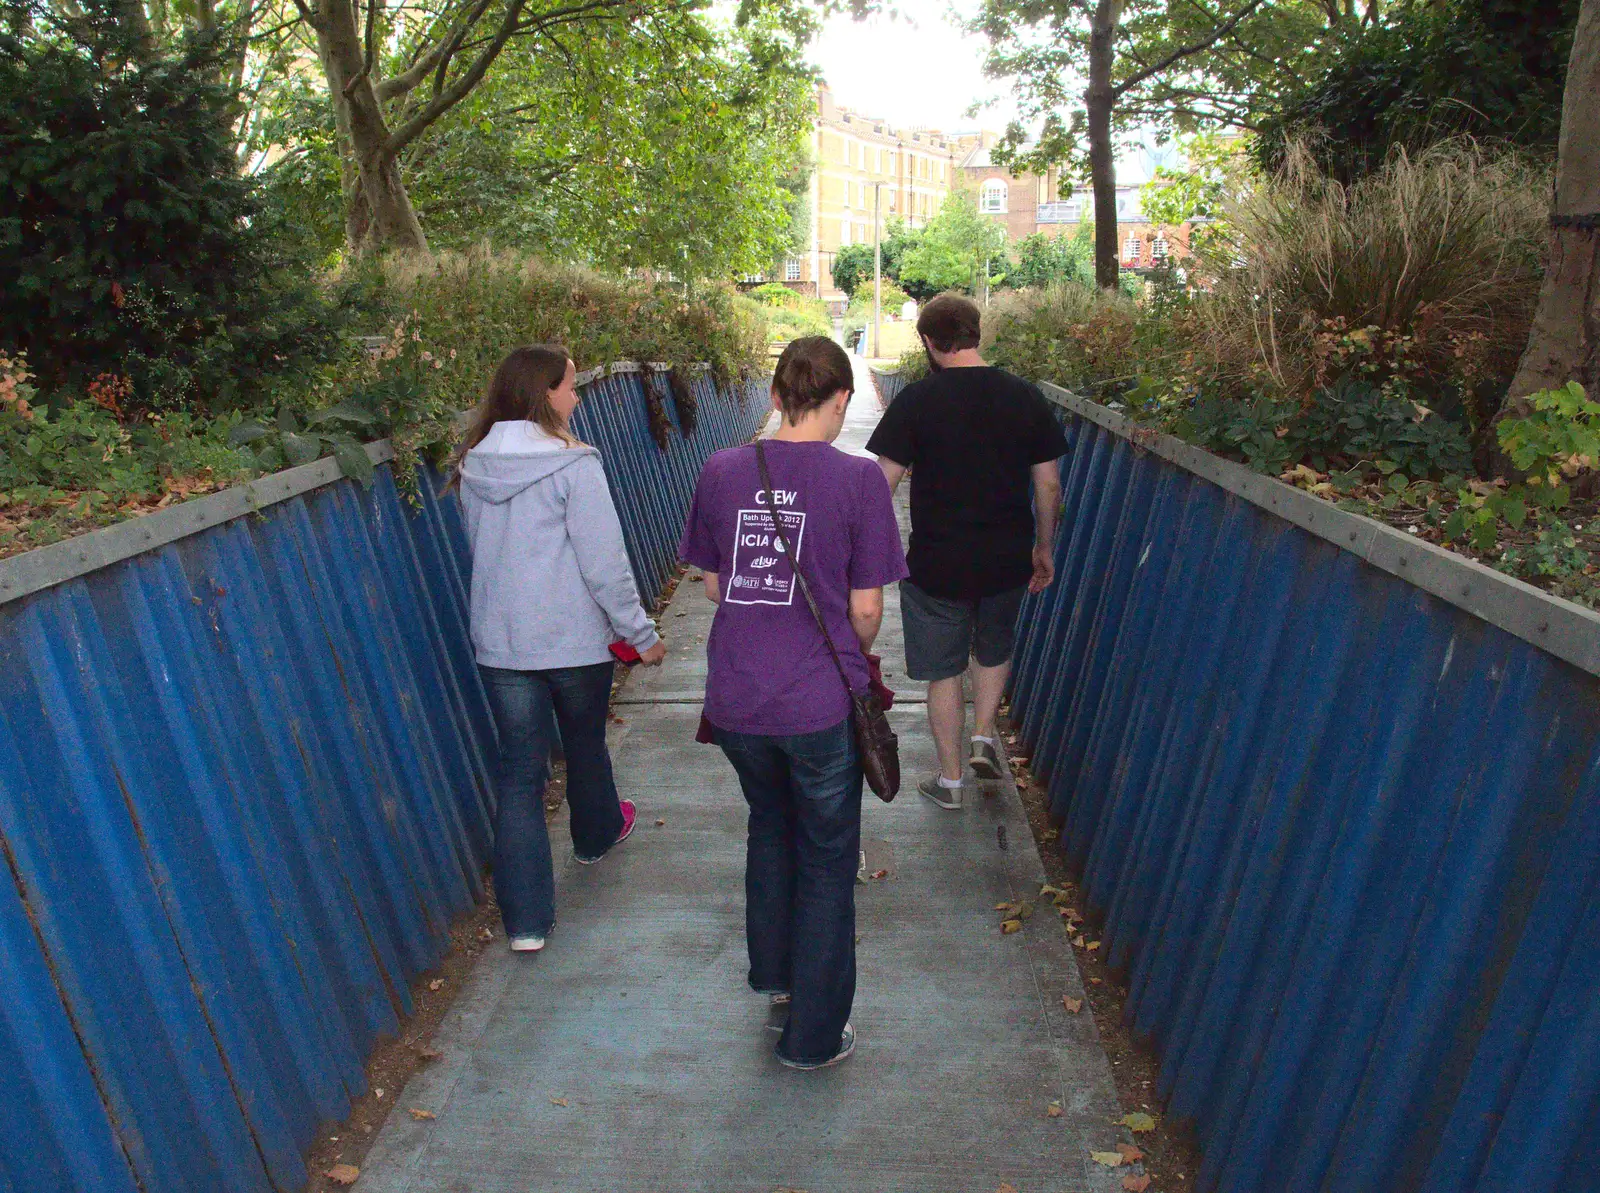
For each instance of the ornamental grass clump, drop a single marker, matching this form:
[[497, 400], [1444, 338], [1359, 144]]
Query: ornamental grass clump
[[1427, 270]]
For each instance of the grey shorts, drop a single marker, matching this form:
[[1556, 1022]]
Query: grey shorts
[[941, 632]]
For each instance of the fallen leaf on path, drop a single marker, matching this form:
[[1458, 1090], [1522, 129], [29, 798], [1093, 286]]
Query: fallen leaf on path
[[1019, 762], [1009, 909], [343, 1174], [1138, 1120], [1053, 1110], [1130, 1153], [1096, 981], [1024, 909], [1136, 1182], [427, 1054], [1073, 1005], [1093, 945], [879, 874], [436, 983], [422, 1115], [659, 823], [1005, 1188], [558, 1101], [378, 1093], [1077, 942], [1047, 889], [1107, 1159], [1007, 927]]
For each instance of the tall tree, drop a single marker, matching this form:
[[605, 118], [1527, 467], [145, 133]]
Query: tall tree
[[385, 99], [1564, 344], [678, 153], [1089, 68]]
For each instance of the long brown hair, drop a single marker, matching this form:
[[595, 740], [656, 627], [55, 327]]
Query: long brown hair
[[520, 389]]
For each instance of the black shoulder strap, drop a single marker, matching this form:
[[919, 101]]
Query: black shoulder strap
[[794, 561]]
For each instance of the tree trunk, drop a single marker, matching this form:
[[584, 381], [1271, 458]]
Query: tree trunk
[[1564, 344], [391, 222], [1099, 100]]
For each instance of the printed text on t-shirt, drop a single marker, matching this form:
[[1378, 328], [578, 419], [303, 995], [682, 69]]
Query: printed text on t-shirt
[[761, 576]]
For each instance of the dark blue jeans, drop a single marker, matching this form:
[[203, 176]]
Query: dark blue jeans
[[523, 703], [804, 794]]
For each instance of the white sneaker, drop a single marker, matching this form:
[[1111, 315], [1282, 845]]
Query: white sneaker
[[526, 944]]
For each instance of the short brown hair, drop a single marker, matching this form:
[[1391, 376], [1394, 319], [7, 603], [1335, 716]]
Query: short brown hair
[[951, 323], [811, 370]]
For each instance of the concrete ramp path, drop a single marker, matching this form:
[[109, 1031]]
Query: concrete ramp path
[[631, 1057]]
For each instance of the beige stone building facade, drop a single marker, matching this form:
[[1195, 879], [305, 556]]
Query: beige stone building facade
[[857, 157]]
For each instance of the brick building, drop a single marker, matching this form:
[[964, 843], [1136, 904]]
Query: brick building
[[857, 157]]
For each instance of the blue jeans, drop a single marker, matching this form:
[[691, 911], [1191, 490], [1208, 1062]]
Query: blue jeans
[[523, 703], [804, 794]]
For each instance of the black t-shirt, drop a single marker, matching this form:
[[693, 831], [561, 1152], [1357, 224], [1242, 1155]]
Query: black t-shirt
[[970, 437]]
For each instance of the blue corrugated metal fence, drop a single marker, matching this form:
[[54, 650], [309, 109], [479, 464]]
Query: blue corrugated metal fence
[[243, 791], [1344, 834], [888, 382]]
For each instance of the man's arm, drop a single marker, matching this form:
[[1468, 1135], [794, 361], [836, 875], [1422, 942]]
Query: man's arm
[[1046, 505], [866, 615], [892, 472], [713, 583]]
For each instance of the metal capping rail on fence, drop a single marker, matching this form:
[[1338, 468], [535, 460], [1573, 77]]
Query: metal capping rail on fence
[[888, 383], [243, 791], [1337, 795]]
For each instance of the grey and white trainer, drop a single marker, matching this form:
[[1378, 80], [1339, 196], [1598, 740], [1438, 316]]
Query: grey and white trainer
[[985, 760], [948, 798]]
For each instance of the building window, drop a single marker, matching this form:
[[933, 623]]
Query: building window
[[1134, 250], [992, 199], [791, 270], [844, 232], [1159, 249]]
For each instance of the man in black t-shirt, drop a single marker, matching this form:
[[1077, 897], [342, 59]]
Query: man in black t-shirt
[[982, 449]]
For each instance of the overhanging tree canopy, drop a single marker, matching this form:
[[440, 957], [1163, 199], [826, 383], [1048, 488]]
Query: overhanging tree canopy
[[1088, 68]]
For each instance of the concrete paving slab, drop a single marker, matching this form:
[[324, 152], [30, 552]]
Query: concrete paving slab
[[630, 1057]]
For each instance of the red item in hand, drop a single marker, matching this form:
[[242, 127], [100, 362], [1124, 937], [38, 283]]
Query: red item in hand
[[875, 681], [625, 654]]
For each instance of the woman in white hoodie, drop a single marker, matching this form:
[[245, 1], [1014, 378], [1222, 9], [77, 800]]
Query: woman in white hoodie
[[551, 591]]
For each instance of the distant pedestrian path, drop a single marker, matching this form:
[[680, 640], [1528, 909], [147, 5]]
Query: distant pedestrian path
[[630, 1056]]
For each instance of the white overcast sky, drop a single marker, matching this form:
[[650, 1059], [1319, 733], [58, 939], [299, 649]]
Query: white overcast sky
[[920, 69]]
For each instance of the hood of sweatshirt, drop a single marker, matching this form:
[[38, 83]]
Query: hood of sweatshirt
[[513, 457]]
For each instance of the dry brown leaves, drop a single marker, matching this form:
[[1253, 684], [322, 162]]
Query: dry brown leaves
[[343, 1174]]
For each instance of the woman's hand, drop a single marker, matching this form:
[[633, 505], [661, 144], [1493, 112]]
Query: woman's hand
[[653, 656]]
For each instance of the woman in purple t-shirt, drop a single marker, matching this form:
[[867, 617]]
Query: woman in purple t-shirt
[[773, 693]]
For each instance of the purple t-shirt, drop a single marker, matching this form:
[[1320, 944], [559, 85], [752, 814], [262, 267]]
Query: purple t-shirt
[[769, 670]]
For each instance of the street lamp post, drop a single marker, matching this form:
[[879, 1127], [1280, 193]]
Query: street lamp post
[[877, 266]]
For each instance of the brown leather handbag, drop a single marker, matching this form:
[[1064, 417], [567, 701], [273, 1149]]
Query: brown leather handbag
[[876, 743]]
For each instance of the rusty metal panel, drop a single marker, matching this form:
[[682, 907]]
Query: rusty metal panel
[[1344, 834], [243, 791]]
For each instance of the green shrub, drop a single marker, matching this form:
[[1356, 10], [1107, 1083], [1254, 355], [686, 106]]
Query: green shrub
[[132, 250], [788, 313], [1491, 69], [1092, 342]]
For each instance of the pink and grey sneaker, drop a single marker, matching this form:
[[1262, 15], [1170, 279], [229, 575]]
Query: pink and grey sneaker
[[630, 817]]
